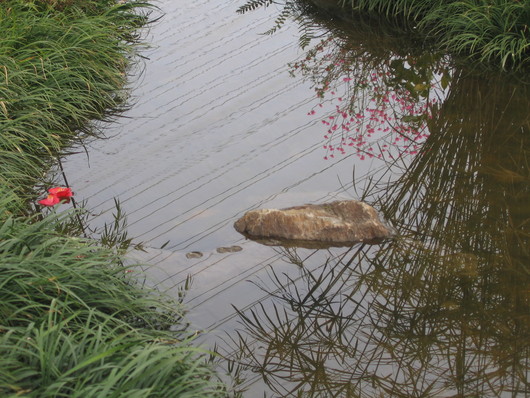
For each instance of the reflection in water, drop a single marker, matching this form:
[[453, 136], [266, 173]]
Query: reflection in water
[[381, 87], [443, 310]]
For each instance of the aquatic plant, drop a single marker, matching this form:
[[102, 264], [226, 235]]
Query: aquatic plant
[[290, 9], [495, 32]]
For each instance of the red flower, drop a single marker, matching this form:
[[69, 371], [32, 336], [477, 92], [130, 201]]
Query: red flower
[[62, 193], [51, 200], [57, 195]]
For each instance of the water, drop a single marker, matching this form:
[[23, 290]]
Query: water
[[227, 120]]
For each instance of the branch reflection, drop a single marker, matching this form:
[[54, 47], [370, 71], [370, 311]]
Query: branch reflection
[[444, 309]]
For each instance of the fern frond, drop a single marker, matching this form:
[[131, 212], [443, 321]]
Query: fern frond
[[290, 9], [285, 14], [253, 4]]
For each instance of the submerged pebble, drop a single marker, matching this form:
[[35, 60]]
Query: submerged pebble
[[230, 249], [194, 255]]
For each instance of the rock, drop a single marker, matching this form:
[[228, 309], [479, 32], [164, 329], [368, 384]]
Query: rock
[[194, 255], [230, 249], [340, 223]]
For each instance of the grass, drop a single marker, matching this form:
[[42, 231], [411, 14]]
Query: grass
[[73, 321], [59, 72], [75, 324], [493, 32]]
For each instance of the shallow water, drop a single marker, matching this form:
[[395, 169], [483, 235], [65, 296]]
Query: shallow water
[[226, 120]]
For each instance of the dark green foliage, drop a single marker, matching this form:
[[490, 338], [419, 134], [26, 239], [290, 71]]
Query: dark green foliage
[[290, 9], [287, 11], [494, 32]]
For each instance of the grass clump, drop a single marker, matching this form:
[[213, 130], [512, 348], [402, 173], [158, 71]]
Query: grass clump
[[494, 32], [74, 324], [73, 321], [59, 72]]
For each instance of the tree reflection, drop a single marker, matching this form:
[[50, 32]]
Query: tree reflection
[[377, 89], [444, 309]]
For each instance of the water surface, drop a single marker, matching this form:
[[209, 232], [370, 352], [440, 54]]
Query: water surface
[[227, 120]]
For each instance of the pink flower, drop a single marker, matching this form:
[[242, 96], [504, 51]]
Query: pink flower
[[57, 195]]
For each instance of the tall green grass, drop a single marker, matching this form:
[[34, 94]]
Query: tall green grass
[[59, 72], [493, 32], [73, 323]]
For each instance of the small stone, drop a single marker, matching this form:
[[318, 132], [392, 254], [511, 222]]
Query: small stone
[[194, 255], [230, 249], [339, 223]]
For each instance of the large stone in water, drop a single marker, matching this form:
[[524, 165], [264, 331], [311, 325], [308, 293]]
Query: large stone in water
[[340, 223]]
